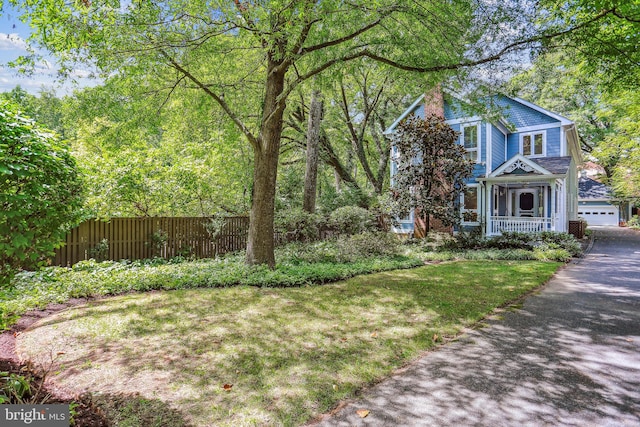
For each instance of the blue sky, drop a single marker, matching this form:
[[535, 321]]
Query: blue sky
[[13, 34]]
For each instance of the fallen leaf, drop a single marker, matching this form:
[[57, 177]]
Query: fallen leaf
[[227, 387], [374, 335], [343, 339], [435, 337], [362, 413], [60, 353]]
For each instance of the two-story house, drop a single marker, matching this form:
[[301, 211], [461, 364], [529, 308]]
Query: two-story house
[[525, 177]]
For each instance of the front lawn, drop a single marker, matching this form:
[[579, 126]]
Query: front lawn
[[265, 356]]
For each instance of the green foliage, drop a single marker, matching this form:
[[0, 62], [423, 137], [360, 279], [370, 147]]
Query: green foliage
[[351, 220], [22, 389], [40, 192], [432, 169], [349, 195], [14, 389], [540, 242], [368, 244], [297, 225], [634, 222], [158, 240], [100, 252], [182, 160], [215, 226]]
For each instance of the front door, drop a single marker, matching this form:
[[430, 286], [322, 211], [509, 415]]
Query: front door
[[525, 202]]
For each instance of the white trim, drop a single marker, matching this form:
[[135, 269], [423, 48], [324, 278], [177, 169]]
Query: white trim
[[489, 141], [562, 119], [464, 120], [538, 127], [525, 160], [404, 115], [478, 148], [563, 142], [501, 126], [533, 135]]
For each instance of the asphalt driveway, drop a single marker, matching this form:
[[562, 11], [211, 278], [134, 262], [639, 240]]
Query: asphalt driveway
[[570, 356]]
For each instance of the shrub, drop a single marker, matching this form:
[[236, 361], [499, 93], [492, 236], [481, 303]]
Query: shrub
[[351, 220], [565, 241], [39, 193], [634, 222], [517, 240], [297, 225], [366, 245], [513, 240], [551, 252], [465, 240]]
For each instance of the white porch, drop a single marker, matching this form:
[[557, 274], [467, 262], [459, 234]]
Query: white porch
[[500, 224], [527, 207]]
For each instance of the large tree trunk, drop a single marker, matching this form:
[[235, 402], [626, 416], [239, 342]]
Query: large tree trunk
[[313, 138], [261, 242]]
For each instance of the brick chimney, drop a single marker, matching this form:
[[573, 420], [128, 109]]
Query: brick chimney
[[434, 102]]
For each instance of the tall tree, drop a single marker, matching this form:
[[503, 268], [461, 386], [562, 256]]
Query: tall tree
[[313, 139], [431, 170], [277, 45]]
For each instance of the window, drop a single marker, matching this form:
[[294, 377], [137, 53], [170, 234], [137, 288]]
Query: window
[[533, 144], [471, 141], [469, 204]]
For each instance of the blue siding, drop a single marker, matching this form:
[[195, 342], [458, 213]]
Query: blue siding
[[520, 115], [498, 148], [453, 109], [553, 142], [513, 144]]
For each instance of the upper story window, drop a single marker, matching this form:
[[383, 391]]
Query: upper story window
[[533, 144], [470, 135]]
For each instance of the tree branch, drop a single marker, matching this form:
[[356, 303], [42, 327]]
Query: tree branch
[[341, 40], [243, 128]]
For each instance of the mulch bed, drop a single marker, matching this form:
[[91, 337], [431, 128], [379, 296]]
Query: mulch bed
[[87, 413]]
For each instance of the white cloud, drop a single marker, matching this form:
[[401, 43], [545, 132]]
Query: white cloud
[[12, 42]]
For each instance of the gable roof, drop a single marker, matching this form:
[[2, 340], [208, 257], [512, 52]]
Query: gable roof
[[557, 117], [591, 189], [520, 162], [515, 111]]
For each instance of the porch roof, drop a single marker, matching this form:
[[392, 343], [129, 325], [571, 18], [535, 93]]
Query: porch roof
[[555, 165]]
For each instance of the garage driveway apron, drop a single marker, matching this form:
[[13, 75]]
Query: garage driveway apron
[[569, 357]]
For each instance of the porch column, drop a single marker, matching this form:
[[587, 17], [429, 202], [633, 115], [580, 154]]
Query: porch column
[[552, 184], [488, 197]]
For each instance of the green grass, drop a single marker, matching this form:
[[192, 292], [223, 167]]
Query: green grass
[[290, 353], [33, 290]]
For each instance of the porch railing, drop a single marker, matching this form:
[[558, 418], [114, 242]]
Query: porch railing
[[500, 224]]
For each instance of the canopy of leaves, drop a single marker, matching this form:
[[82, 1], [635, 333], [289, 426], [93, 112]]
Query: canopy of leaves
[[139, 159], [431, 169], [40, 192]]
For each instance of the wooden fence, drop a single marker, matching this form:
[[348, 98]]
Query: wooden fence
[[140, 238]]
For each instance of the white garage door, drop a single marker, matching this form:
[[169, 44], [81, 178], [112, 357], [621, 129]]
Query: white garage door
[[599, 215]]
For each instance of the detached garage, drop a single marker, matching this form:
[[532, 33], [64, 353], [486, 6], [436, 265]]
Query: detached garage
[[595, 203]]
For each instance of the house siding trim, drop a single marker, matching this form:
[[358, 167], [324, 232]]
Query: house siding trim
[[538, 127]]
